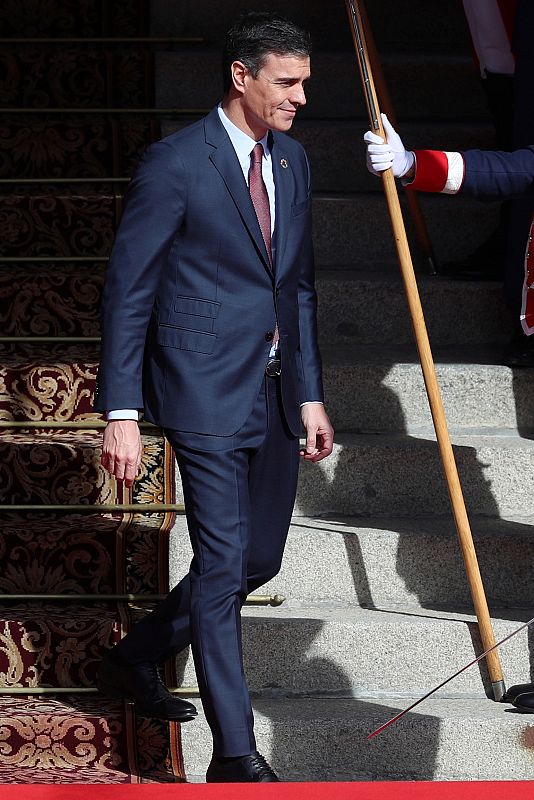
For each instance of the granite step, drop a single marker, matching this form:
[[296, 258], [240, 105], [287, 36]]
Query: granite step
[[381, 474], [377, 388], [422, 86], [349, 229], [411, 26], [383, 652], [391, 560], [325, 739], [334, 147], [366, 307], [355, 229]]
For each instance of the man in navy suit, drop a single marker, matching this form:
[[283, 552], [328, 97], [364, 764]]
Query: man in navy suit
[[487, 175], [209, 326]]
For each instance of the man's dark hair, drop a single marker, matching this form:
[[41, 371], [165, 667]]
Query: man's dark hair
[[254, 35]]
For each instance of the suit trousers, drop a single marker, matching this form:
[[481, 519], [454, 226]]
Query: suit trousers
[[239, 494]]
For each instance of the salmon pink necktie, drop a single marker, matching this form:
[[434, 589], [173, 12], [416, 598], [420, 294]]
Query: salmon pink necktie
[[260, 201], [259, 196]]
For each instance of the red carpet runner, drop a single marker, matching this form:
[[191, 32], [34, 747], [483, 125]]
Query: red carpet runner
[[505, 790]]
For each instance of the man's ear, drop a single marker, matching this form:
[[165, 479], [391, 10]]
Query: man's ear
[[238, 72]]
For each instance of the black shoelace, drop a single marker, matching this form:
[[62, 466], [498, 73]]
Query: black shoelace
[[260, 765]]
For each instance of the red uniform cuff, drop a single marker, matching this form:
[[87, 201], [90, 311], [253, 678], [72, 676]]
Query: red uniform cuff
[[432, 171]]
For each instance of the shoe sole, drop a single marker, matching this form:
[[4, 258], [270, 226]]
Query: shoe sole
[[524, 709], [150, 714]]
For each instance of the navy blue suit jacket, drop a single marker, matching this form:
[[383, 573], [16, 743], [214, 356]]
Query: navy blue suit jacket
[[190, 294]]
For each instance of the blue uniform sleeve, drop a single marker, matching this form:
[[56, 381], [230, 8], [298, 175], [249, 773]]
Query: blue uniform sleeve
[[493, 175]]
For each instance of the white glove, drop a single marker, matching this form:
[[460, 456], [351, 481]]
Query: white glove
[[382, 155]]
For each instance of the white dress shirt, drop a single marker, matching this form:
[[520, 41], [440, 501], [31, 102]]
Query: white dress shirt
[[244, 145]]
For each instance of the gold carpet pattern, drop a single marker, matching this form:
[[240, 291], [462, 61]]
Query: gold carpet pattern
[[60, 202]]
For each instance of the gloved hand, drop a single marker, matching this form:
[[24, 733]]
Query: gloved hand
[[382, 155]]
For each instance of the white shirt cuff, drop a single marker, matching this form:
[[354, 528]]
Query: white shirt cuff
[[309, 402], [122, 413]]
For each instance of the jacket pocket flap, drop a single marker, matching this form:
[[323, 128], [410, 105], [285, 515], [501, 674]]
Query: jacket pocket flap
[[185, 339], [199, 308]]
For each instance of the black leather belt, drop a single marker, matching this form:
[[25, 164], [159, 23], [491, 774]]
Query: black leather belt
[[274, 367]]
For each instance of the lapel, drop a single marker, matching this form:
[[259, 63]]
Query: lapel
[[284, 186], [225, 161]]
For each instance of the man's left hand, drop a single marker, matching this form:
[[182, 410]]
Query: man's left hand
[[319, 432]]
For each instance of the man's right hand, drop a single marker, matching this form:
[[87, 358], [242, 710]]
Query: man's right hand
[[122, 450]]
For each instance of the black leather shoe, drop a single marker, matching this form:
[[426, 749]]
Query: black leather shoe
[[247, 769], [486, 263], [142, 685], [525, 702], [514, 691], [519, 351]]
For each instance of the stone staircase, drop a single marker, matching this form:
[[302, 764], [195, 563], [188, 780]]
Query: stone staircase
[[377, 609]]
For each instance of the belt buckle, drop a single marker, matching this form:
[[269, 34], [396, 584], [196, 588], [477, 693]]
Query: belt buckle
[[273, 368]]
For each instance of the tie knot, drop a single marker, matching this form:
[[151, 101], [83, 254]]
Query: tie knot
[[257, 153]]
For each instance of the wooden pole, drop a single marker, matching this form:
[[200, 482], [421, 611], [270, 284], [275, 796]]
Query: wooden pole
[[412, 198], [427, 364]]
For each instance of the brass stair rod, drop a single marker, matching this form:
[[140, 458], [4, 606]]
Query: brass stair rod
[[7, 690], [51, 259], [103, 111], [137, 508], [29, 181], [105, 40], [49, 339], [86, 425], [252, 600]]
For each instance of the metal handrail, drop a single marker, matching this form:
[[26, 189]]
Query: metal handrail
[[31, 181], [105, 508], [68, 425], [51, 259], [48, 339], [252, 599], [180, 690], [104, 40], [174, 111]]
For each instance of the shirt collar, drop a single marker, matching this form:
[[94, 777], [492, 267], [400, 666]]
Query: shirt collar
[[243, 143]]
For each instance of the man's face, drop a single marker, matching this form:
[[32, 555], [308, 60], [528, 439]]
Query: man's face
[[272, 98]]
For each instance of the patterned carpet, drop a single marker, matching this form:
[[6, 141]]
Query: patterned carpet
[[54, 239]]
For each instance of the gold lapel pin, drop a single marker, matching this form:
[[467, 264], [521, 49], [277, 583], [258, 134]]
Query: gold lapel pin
[[283, 163]]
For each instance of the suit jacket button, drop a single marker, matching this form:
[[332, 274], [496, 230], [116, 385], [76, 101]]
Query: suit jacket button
[[269, 336]]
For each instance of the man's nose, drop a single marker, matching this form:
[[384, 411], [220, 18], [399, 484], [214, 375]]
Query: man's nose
[[298, 96]]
